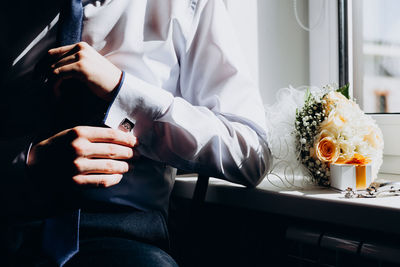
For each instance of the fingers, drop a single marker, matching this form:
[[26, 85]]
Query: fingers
[[104, 135], [61, 51], [98, 180], [81, 61], [73, 70], [88, 155], [66, 61], [103, 166], [106, 151], [65, 56], [66, 68], [100, 155]]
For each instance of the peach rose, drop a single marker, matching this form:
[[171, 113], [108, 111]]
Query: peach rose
[[327, 150]]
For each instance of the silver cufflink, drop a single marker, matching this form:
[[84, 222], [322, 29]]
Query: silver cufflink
[[126, 125]]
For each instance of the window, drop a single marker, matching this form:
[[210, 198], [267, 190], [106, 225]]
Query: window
[[378, 47], [376, 69], [341, 48], [374, 89], [344, 51]]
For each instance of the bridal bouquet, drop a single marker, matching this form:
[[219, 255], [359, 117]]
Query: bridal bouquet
[[330, 128]]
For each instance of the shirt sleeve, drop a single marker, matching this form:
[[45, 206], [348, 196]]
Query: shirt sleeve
[[217, 126]]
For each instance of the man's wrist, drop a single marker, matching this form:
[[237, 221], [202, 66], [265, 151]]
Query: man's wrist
[[114, 95], [114, 92]]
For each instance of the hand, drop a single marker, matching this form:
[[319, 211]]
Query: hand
[[84, 155], [81, 61]]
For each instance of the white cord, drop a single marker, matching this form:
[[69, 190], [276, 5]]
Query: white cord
[[316, 23]]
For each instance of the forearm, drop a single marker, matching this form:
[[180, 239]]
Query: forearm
[[192, 138], [197, 140]]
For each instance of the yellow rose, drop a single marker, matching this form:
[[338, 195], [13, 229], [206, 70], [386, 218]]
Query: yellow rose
[[327, 150]]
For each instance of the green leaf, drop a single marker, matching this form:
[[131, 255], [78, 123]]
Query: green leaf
[[344, 90], [307, 96]]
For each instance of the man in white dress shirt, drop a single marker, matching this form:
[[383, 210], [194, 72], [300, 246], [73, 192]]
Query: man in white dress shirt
[[176, 92]]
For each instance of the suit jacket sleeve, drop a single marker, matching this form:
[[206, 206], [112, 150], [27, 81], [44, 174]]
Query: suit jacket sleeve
[[19, 196]]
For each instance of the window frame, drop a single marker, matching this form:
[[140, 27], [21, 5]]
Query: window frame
[[388, 123], [344, 32]]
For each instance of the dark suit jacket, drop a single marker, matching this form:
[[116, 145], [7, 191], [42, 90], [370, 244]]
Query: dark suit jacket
[[30, 113]]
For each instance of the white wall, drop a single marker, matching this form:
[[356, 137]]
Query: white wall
[[245, 21], [274, 44]]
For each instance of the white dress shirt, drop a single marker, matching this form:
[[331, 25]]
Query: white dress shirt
[[186, 88]]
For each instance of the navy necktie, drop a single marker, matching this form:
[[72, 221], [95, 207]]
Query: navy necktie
[[70, 23], [61, 233]]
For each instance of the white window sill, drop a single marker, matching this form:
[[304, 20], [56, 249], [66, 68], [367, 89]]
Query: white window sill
[[311, 203]]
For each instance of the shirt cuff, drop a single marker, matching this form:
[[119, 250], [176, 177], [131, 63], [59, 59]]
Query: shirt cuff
[[136, 100]]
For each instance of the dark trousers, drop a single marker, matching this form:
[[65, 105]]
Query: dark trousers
[[106, 239]]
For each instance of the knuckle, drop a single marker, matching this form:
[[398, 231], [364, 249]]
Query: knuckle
[[77, 165], [83, 68], [109, 166], [112, 151], [112, 134], [79, 146], [80, 65], [72, 134], [79, 55], [77, 131], [81, 45], [56, 71], [83, 131]]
